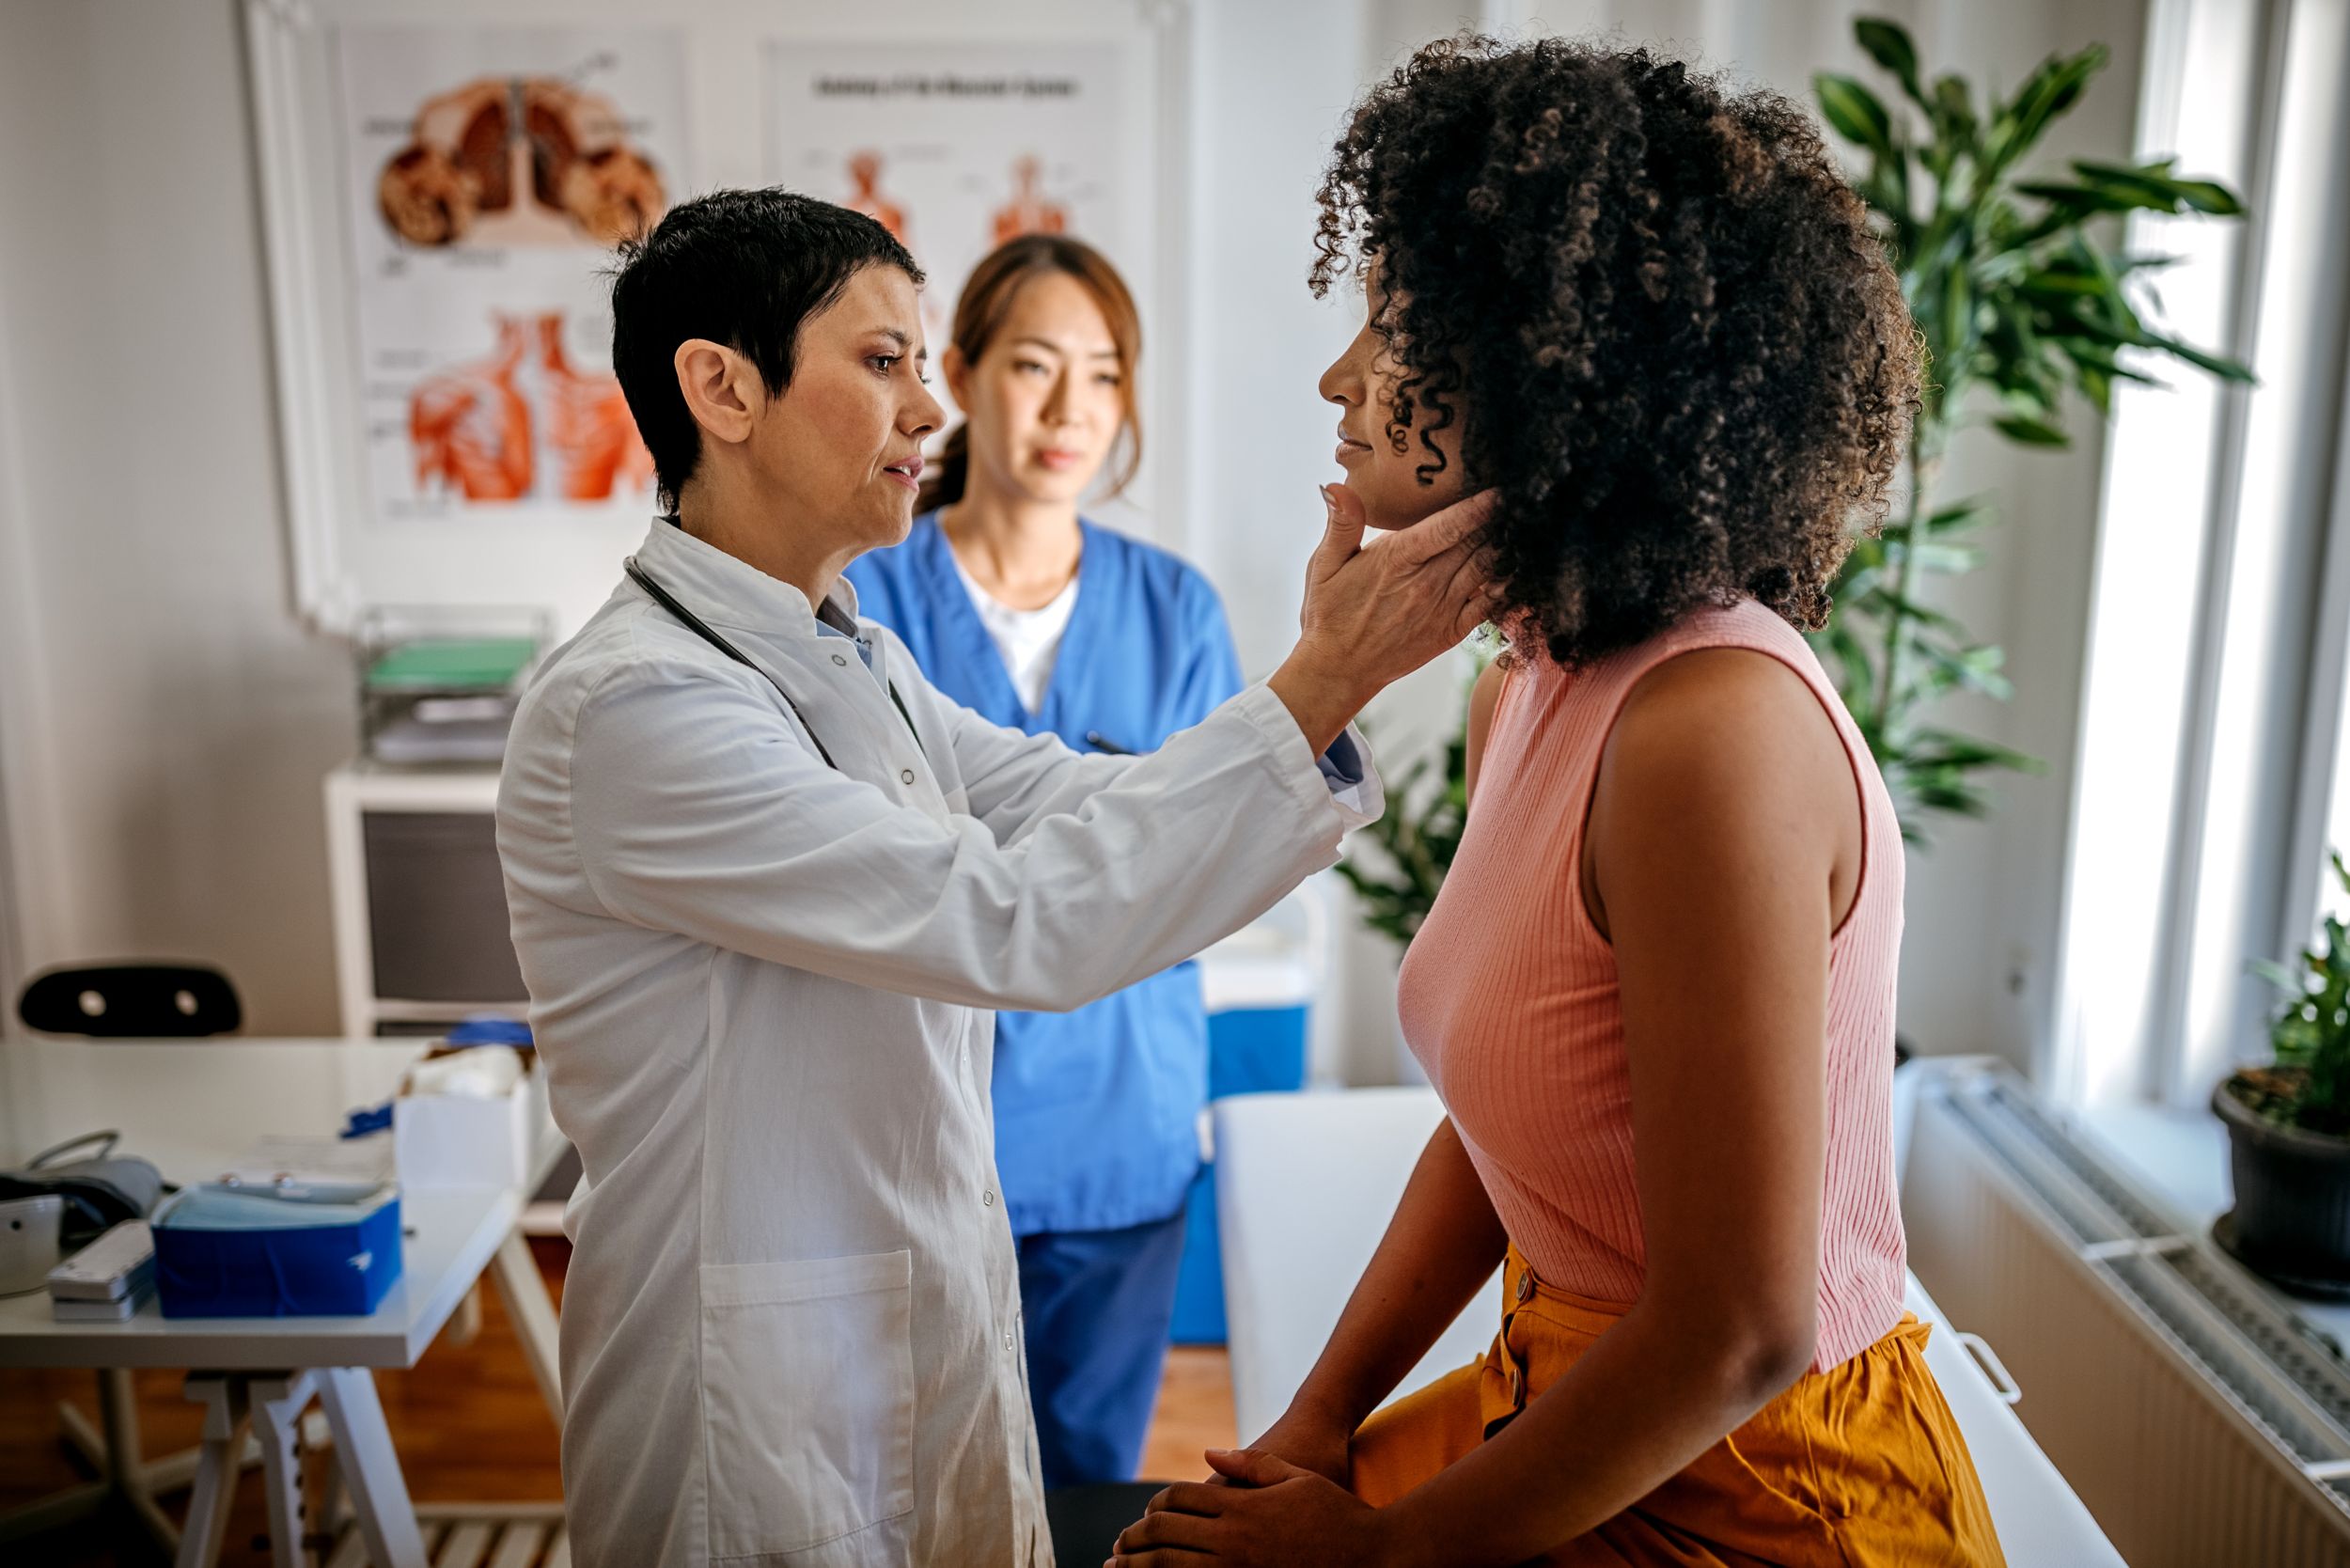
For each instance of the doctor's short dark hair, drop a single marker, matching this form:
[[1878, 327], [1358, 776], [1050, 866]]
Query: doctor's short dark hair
[[1672, 342], [743, 268]]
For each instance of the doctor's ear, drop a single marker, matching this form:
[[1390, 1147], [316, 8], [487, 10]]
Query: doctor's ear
[[722, 389]]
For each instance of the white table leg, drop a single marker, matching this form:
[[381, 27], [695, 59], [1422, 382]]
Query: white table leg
[[126, 1467], [362, 1446], [277, 1403], [225, 1420], [464, 1325], [525, 1290], [172, 1472]]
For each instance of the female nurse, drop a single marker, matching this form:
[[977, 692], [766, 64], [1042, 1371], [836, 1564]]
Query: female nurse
[[1038, 620]]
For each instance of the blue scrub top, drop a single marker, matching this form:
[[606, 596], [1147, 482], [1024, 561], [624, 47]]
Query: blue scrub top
[[1097, 1110]]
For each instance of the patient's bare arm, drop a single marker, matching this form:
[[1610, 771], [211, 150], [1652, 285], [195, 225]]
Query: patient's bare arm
[[1443, 1244]]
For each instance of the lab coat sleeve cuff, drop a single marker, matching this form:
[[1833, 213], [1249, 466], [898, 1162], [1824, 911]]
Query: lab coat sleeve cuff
[[1345, 775], [1346, 768]]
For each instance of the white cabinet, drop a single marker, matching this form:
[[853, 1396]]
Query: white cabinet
[[420, 932]]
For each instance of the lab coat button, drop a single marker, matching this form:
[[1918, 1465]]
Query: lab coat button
[[988, 1197], [840, 658], [1006, 1341], [906, 776]]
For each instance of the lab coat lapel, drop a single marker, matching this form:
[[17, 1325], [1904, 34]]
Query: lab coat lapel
[[847, 708]]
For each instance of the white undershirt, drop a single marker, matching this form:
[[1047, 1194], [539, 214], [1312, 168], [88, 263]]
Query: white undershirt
[[1027, 640]]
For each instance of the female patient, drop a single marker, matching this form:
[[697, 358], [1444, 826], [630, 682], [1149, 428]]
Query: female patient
[[1657, 992]]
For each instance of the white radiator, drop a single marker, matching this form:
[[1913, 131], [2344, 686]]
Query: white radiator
[[2203, 1427]]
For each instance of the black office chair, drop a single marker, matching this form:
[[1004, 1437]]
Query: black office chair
[[1086, 1521], [128, 1001], [131, 1001]]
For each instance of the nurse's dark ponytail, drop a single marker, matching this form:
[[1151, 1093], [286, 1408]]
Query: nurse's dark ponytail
[[944, 481], [987, 299]]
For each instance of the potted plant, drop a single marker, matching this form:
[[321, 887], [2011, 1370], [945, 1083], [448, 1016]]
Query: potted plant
[[2019, 295], [1421, 830], [2288, 1128]]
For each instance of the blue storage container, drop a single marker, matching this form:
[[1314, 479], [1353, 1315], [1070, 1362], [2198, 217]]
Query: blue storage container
[[1251, 1050], [224, 1252], [1259, 985]]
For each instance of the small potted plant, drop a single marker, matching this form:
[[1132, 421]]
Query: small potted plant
[[2288, 1128]]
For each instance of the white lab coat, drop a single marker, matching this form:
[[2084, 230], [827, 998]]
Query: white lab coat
[[791, 1325]]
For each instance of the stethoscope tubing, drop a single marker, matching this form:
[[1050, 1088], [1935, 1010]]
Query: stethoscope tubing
[[704, 630]]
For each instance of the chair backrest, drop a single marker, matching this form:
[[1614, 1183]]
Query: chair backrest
[[1304, 1184], [131, 1001]]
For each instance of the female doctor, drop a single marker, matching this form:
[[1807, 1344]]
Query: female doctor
[[1041, 622], [766, 883]]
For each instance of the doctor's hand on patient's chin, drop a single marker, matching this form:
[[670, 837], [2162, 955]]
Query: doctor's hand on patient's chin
[[1375, 612], [1274, 1515]]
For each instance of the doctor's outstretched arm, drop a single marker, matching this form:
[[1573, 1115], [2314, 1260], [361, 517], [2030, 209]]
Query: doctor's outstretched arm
[[706, 816], [1373, 613]]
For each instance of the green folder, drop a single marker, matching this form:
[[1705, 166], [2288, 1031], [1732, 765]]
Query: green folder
[[460, 663]]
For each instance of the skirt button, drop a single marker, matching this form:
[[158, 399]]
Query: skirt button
[[1525, 1285]]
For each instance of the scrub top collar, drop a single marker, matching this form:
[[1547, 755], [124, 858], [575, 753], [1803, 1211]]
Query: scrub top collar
[[972, 642], [733, 593]]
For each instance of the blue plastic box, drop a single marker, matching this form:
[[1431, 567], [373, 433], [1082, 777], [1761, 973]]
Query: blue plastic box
[[223, 1253], [1251, 1050]]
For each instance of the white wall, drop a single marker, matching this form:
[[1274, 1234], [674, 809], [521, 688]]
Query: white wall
[[163, 722], [167, 722]]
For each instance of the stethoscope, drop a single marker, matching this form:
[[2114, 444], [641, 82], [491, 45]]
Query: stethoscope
[[702, 629]]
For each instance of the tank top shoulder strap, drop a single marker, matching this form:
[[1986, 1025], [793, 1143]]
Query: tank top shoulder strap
[[1589, 702]]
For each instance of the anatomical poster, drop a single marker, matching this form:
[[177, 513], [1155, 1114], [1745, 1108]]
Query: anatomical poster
[[490, 172], [956, 148]]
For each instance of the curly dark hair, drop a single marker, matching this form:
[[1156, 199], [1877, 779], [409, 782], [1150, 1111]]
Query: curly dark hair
[[1683, 360]]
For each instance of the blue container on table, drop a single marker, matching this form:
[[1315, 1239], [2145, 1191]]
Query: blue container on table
[[1251, 1050], [227, 1253]]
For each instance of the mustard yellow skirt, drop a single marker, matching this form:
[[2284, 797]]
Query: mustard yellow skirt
[[1857, 1467]]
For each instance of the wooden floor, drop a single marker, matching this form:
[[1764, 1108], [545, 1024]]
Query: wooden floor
[[469, 1426]]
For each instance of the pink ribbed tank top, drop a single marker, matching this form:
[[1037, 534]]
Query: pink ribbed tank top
[[1509, 998]]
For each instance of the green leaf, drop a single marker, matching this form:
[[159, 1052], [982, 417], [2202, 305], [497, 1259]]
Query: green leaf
[[2047, 93], [2278, 976], [1954, 110], [2031, 432], [1966, 515], [2210, 197], [2089, 357], [1855, 113], [1948, 749], [2226, 370], [1889, 43], [2153, 186], [1885, 188]]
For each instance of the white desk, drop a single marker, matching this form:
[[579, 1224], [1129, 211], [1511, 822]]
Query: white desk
[[191, 1106], [450, 1238]]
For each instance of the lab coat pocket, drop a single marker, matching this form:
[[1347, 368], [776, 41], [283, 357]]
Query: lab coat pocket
[[808, 1379]]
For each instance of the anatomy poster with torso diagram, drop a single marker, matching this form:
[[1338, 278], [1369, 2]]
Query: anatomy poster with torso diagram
[[956, 148], [490, 174]]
